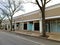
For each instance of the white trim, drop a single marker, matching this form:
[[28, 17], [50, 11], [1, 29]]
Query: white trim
[[53, 17], [27, 20]]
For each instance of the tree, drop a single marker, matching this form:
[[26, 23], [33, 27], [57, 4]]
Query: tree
[[10, 8], [1, 19], [42, 5], [2, 16]]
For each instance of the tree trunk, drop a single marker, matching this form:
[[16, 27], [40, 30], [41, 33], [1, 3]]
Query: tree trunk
[[43, 22], [11, 23], [0, 24]]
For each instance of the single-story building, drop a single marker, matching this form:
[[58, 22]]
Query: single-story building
[[32, 21]]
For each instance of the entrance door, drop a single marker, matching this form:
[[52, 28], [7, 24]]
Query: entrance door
[[36, 26], [25, 26], [17, 26], [58, 27], [54, 27], [30, 26], [47, 27]]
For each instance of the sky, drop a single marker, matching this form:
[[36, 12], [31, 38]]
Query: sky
[[29, 7]]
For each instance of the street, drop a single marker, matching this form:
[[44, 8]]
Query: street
[[13, 39]]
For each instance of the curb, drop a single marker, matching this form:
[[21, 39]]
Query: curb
[[50, 39]]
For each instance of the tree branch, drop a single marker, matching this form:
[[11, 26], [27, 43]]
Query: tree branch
[[5, 12], [48, 1], [6, 7], [38, 5], [42, 2]]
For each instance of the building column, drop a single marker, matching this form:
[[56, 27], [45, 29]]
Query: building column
[[33, 27], [4, 27], [22, 26], [7, 26], [27, 25], [40, 26], [10, 26], [15, 26], [19, 26]]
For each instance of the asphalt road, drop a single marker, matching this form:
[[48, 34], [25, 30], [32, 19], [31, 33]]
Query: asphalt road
[[13, 39]]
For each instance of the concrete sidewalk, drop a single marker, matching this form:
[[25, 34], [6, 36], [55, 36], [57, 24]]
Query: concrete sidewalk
[[52, 36], [31, 33]]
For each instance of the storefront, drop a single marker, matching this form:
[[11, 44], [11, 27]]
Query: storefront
[[53, 25]]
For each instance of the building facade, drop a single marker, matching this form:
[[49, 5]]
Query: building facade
[[33, 22]]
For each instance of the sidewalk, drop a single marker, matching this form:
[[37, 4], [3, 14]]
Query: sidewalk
[[52, 36], [31, 33]]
